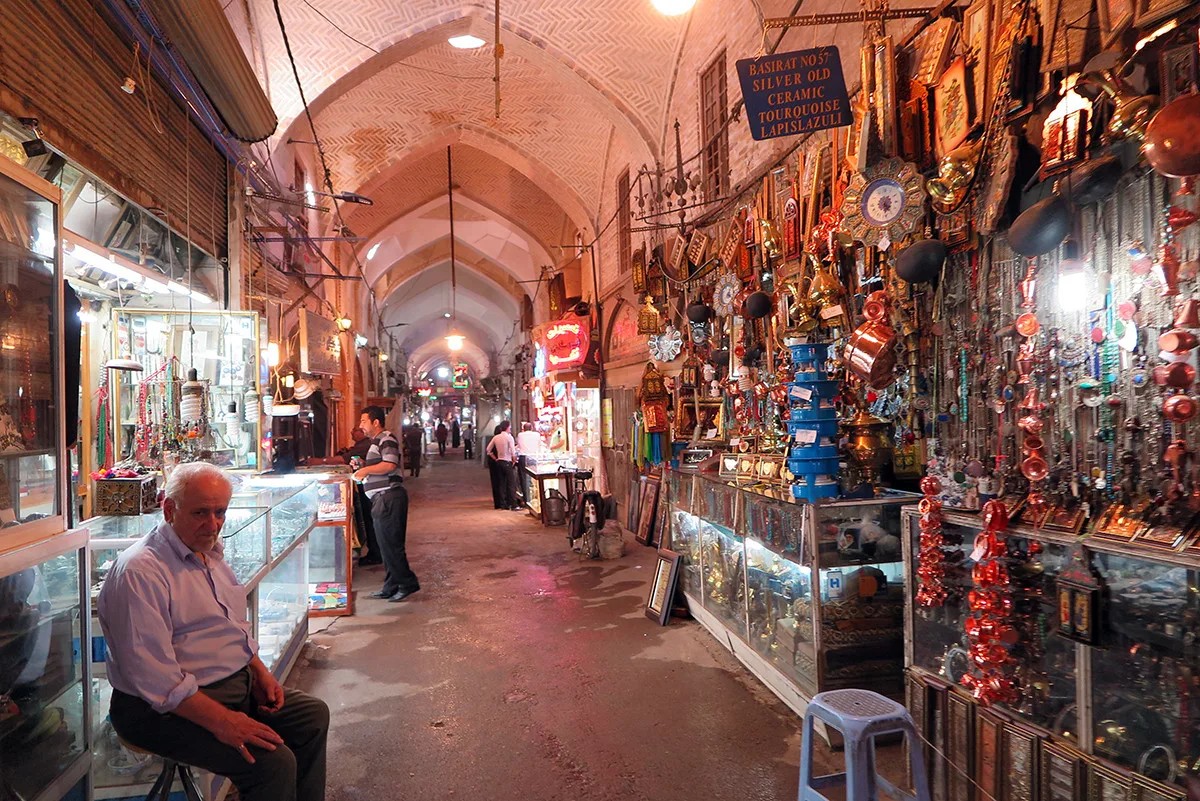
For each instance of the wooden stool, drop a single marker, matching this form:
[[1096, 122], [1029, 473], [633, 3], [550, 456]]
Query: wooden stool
[[161, 791]]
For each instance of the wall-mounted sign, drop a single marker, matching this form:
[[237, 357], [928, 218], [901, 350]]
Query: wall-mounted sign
[[320, 345], [794, 93], [566, 343], [461, 377]]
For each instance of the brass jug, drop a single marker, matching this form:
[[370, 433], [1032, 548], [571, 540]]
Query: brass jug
[[956, 170], [868, 446], [1131, 112], [825, 294]]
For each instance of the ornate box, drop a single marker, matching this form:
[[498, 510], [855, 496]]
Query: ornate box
[[125, 496]]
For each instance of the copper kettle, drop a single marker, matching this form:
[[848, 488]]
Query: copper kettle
[[956, 170], [870, 352], [825, 293]]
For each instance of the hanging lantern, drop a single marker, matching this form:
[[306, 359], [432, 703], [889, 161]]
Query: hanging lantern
[[191, 401]]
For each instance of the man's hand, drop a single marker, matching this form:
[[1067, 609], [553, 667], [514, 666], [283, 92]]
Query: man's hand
[[240, 730], [268, 692], [360, 474]]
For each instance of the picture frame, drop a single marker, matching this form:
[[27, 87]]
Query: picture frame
[[935, 45], [1177, 72], [989, 769], [960, 744], [1019, 761], [977, 42], [1115, 17], [1150, 12], [635, 494], [1060, 772], [952, 107], [1105, 781], [658, 537], [886, 122], [647, 505], [638, 268], [1145, 789], [662, 587], [710, 410]]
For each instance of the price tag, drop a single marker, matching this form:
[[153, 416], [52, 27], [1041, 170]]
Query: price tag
[[831, 312], [806, 436], [733, 443], [803, 393]]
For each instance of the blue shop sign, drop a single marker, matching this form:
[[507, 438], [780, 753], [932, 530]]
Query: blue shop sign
[[794, 93]]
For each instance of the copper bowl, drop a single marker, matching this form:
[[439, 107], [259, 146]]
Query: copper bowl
[[1179, 408], [1179, 375], [1177, 340], [1035, 468], [871, 354], [1171, 144]]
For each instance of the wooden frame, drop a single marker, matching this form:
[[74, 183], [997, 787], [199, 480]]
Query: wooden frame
[[1150, 12], [989, 768], [662, 587], [1019, 761], [1115, 17], [960, 745], [647, 504], [1149, 790], [1060, 772], [685, 419], [658, 537], [977, 41], [1103, 781], [1177, 72], [634, 501], [952, 107]]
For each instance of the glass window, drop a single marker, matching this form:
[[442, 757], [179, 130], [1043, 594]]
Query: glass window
[[624, 223], [714, 104]]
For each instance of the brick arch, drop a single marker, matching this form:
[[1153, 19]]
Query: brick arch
[[435, 256]]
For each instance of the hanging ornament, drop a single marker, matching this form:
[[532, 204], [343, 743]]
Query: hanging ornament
[[989, 629], [699, 334], [725, 292], [649, 321], [665, 347], [1179, 218], [884, 203], [931, 568]]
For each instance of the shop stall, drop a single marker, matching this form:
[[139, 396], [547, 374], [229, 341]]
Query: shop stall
[[45, 742]]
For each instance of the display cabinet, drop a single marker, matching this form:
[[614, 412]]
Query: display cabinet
[[31, 370], [44, 741], [813, 594], [331, 549], [542, 474], [1088, 721], [280, 611], [222, 347], [293, 501]]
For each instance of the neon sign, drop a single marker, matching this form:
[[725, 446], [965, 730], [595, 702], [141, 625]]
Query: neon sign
[[566, 343], [461, 376], [539, 361]]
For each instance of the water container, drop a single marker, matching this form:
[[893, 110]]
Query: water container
[[555, 507]]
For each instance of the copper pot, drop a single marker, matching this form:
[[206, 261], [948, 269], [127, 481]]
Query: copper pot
[[1179, 408], [1177, 341], [871, 354], [1187, 313], [1171, 144], [1035, 468], [1179, 375]]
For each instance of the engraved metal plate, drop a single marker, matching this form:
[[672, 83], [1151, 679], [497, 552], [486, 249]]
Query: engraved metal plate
[[1105, 783], [1061, 776], [960, 745]]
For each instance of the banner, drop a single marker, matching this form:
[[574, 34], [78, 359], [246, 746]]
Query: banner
[[794, 93]]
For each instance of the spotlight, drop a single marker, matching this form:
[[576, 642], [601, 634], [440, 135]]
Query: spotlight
[[36, 146], [468, 42], [344, 323]]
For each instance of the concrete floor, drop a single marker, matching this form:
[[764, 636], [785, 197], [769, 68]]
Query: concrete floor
[[520, 672]]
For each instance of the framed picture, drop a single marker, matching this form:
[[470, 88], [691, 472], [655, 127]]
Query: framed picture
[[639, 270], [1177, 72], [1149, 790], [1019, 761], [662, 588], [647, 504], [631, 514], [977, 40], [1150, 12], [1061, 773], [1115, 17], [712, 419], [1105, 782], [952, 107], [934, 45], [989, 771], [960, 744], [885, 92], [659, 536]]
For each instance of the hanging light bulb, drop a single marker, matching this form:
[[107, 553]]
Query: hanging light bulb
[[272, 354], [233, 428], [191, 401], [455, 340], [673, 8], [344, 323], [268, 405], [250, 404]]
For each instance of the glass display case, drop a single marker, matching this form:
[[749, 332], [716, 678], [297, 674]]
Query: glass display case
[[281, 611], [292, 499], [1126, 707], [44, 741], [31, 344], [543, 473], [330, 550], [585, 426], [222, 346], [814, 594]]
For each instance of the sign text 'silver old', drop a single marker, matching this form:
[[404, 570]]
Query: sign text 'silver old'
[[794, 93]]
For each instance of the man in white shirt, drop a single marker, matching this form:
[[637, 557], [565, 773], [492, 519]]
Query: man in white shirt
[[529, 443], [503, 450]]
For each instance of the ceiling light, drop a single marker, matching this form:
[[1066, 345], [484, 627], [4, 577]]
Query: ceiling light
[[374, 249], [344, 323], [469, 42], [285, 410], [446, 315], [673, 8], [443, 372], [383, 357], [200, 297], [455, 341]]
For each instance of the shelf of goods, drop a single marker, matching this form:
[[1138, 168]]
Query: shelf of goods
[[331, 549], [747, 570], [267, 539], [1118, 719]]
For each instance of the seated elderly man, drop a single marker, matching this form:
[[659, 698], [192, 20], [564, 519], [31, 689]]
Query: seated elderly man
[[187, 681]]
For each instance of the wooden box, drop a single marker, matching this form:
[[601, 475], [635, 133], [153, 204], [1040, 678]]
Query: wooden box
[[125, 496]]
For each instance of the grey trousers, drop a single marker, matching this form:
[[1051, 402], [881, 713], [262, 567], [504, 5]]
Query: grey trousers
[[294, 771]]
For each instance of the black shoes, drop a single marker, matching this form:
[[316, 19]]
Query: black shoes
[[382, 594], [400, 595], [367, 562]]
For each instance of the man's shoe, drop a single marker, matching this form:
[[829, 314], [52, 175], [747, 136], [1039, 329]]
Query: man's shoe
[[382, 594], [400, 595], [367, 562], [516, 509]]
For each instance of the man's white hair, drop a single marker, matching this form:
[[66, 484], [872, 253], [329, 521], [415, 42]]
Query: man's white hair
[[184, 474]]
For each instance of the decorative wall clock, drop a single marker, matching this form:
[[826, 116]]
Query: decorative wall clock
[[666, 346], [884, 203], [725, 293]]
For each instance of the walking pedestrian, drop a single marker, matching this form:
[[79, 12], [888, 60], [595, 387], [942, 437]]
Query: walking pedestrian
[[503, 448], [441, 434], [382, 480], [493, 468], [455, 433], [468, 441], [414, 449]]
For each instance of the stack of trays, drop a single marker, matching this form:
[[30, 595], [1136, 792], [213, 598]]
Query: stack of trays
[[813, 425]]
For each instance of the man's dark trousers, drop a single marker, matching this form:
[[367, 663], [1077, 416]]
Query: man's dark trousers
[[294, 771], [366, 527], [389, 511]]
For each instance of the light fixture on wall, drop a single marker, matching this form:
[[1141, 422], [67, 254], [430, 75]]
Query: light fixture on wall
[[673, 8], [374, 249], [467, 41], [383, 357], [344, 323]]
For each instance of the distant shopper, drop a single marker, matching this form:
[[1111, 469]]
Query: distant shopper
[[441, 434], [490, 464], [503, 449], [382, 480], [455, 433], [414, 449], [187, 681], [468, 433], [529, 443]]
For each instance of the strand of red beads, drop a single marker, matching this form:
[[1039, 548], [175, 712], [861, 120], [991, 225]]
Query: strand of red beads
[[931, 563], [990, 633]]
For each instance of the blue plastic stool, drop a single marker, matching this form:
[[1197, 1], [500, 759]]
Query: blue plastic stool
[[860, 716]]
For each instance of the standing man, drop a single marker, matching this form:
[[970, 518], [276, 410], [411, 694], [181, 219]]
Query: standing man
[[440, 435], [414, 447], [382, 481], [468, 432], [187, 681], [455, 433], [529, 443], [503, 450]]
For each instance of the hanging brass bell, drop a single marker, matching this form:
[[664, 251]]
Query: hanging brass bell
[[1131, 112]]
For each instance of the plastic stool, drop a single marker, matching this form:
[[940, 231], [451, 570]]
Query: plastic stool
[[161, 791], [860, 716]]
